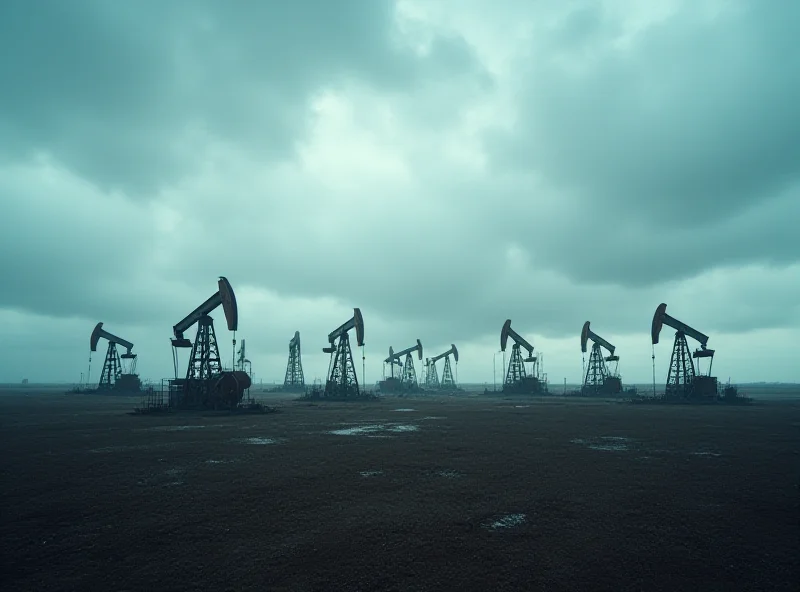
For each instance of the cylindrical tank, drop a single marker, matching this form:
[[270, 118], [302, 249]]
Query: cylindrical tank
[[230, 386]]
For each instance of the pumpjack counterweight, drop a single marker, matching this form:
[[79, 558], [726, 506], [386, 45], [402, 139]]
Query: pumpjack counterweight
[[683, 380], [599, 379]]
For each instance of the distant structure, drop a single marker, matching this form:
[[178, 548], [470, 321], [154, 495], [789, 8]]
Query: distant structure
[[113, 377], [342, 382], [407, 382], [294, 380], [599, 379], [205, 383], [520, 380], [683, 382], [448, 382]]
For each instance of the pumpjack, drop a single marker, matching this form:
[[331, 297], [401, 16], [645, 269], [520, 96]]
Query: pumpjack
[[342, 382], [206, 384], [683, 381], [114, 378], [518, 379], [408, 375], [599, 379], [294, 380], [448, 383]]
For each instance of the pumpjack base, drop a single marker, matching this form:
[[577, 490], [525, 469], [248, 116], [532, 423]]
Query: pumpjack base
[[612, 385], [529, 385]]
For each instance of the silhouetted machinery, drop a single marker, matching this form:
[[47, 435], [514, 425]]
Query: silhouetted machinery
[[242, 363], [448, 382], [599, 380], [683, 382], [408, 376], [114, 378], [518, 379], [342, 382], [294, 380], [206, 384]]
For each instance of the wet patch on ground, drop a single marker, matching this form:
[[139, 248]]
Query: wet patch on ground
[[258, 441], [374, 430], [605, 443], [505, 521]]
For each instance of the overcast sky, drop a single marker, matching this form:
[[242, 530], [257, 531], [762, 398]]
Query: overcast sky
[[442, 164]]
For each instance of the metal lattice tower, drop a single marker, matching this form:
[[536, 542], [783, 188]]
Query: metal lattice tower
[[409, 376], [342, 381], [294, 368], [204, 361], [448, 382], [597, 372], [112, 368], [431, 375], [680, 380], [516, 367]]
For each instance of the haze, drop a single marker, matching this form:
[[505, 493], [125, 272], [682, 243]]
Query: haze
[[441, 165]]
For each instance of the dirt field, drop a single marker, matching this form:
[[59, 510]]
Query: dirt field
[[469, 494]]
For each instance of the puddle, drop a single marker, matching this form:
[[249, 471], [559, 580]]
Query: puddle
[[178, 428], [507, 521], [174, 483], [604, 443], [449, 474], [434, 417], [706, 454], [119, 448], [219, 462], [608, 447], [258, 441], [175, 471], [370, 473], [404, 409], [371, 429], [521, 406]]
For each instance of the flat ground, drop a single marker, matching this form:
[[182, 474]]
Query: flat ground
[[465, 494]]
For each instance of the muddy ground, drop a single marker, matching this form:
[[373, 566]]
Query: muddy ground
[[400, 494]]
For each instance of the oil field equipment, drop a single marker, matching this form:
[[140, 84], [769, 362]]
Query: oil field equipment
[[342, 382], [408, 376], [206, 384], [114, 378], [518, 379], [683, 380], [294, 380], [599, 379], [448, 382], [242, 363]]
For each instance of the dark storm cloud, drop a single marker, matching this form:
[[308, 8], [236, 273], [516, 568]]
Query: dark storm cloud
[[666, 151], [118, 91]]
